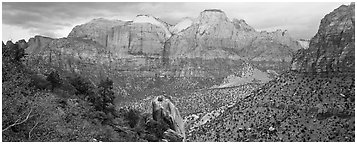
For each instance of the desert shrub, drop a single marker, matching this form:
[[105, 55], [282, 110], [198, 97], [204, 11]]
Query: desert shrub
[[54, 79], [82, 85], [132, 116], [39, 81], [104, 99]]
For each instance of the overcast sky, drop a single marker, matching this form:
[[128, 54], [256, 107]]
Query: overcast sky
[[25, 20]]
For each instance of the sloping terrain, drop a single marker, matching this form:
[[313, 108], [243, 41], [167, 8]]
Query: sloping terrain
[[294, 107], [200, 106], [51, 108]]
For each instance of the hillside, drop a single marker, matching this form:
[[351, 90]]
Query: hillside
[[294, 107], [313, 102], [48, 107]]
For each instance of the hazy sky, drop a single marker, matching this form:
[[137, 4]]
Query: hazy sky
[[25, 20]]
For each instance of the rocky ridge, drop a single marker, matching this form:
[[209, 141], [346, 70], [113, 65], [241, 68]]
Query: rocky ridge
[[189, 48], [182, 25], [332, 48]]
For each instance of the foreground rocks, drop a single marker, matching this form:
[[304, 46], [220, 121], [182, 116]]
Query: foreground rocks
[[164, 111]]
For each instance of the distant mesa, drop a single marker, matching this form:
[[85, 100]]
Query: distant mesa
[[213, 10]]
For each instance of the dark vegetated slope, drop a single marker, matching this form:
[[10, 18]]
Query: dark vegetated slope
[[74, 110], [294, 107]]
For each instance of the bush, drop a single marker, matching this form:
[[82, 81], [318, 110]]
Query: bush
[[132, 116], [83, 86], [104, 99], [39, 81], [54, 78]]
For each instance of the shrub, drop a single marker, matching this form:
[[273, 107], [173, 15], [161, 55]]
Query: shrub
[[132, 116], [82, 85], [54, 79], [104, 99], [39, 81]]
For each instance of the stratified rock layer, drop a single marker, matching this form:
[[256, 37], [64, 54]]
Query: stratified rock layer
[[333, 47], [210, 45]]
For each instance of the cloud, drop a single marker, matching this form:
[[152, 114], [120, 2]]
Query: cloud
[[57, 19]]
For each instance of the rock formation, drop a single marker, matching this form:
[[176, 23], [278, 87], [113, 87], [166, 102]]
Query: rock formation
[[181, 26], [164, 111], [304, 43], [333, 47], [96, 30], [213, 35], [38, 44], [210, 45]]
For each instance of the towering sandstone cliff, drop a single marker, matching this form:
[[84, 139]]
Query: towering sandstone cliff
[[213, 35], [333, 47], [210, 45]]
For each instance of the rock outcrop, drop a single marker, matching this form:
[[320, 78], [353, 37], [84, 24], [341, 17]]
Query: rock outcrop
[[96, 30], [304, 43], [145, 35], [182, 25], [137, 39], [333, 47], [214, 35], [38, 44], [164, 111]]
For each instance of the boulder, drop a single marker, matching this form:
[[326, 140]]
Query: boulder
[[164, 111]]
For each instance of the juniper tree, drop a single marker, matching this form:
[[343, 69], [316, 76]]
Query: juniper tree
[[54, 78], [104, 100]]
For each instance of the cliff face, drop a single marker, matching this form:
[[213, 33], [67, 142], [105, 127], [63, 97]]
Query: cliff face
[[145, 35], [210, 45], [96, 30], [213, 35], [136, 39], [37, 44], [333, 47]]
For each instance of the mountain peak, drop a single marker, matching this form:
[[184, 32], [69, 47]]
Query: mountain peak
[[154, 21], [182, 25], [334, 43], [241, 24], [213, 10], [212, 15]]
